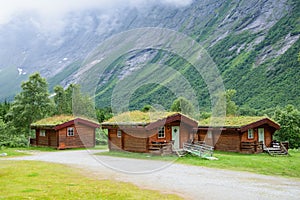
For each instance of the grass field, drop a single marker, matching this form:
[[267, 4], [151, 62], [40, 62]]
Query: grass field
[[11, 152], [288, 166], [39, 180]]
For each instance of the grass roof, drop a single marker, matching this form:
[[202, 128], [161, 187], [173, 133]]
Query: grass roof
[[53, 121], [145, 118], [138, 117], [230, 121]]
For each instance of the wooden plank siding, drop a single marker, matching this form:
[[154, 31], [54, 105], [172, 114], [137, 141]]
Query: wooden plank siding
[[84, 136], [114, 142], [228, 140], [268, 135], [134, 143], [87, 135], [41, 140], [52, 138], [137, 139]]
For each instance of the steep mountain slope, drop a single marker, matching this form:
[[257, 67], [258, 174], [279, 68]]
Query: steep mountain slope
[[254, 44]]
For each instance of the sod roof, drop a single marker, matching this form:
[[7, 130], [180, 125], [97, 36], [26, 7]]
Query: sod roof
[[56, 120], [137, 118], [231, 121], [145, 118]]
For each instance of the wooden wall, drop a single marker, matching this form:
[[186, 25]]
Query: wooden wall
[[41, 140], [136, 139], [269, 131], [114, 142], [87, 135], [50, 138], [132, 139], [134, 143], [186, 134], [84, 136], [228, 140]]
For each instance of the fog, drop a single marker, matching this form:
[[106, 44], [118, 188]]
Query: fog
[[55, 10]]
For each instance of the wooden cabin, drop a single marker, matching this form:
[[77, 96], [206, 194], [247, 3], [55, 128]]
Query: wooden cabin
[[238, 134], [137, 131], [143, 132], [64, 132]]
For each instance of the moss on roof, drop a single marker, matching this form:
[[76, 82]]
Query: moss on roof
[[53, 121], [138, 117], [231, 121], [144, 118]]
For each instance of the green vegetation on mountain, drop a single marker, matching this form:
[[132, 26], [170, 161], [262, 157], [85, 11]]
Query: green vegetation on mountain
[[259, 65]]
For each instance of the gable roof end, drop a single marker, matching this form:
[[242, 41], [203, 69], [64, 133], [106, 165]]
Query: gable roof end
[[76, 121], [259, 123]]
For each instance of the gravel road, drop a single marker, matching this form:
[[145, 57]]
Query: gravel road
[[190, 182]]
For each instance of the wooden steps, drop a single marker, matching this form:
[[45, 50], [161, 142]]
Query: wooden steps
[[277, 149]]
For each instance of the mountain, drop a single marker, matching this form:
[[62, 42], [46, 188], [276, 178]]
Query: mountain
[[254, 44]]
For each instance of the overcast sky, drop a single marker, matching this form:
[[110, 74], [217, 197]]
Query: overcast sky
[[55, 9]]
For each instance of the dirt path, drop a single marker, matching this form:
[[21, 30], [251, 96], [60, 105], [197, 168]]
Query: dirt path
[[191, 182]]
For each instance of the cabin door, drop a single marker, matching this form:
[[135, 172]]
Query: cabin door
[[261, 135], [175, 136]]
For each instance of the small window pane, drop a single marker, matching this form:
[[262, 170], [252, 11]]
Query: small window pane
[[161, 132], [70, 131], [250, 134]]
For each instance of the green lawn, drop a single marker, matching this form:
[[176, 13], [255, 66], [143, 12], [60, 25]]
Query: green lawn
[[23, 151], [39, 180], [288, 166], [11, 152]]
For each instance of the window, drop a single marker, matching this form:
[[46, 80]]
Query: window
[[70, 131], [161, 132], [119, 133], [43, 133], [250, 134]]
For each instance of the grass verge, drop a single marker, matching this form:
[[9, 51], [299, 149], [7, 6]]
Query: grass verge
[[39, 180], [288, 166], [11, 152]]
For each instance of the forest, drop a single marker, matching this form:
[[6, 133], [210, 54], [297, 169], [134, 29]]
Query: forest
[[34, 102]]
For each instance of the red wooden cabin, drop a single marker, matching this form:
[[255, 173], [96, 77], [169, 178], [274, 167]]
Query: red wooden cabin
[[64, 132], [238, 134], [142, 132], [139, 132]]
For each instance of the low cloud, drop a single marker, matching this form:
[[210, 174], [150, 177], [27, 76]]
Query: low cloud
[[56, 9]]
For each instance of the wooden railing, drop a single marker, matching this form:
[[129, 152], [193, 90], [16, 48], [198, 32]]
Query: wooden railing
[[252, 147], [156, 146], [201, 150]]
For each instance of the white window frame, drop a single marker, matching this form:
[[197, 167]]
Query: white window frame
[[69, 131], [250, 133], [119, 133], [42, 133], [161, 132]]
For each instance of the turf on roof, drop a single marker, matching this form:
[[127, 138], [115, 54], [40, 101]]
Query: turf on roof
[[138, 117], [53, 121], [231, 121]]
